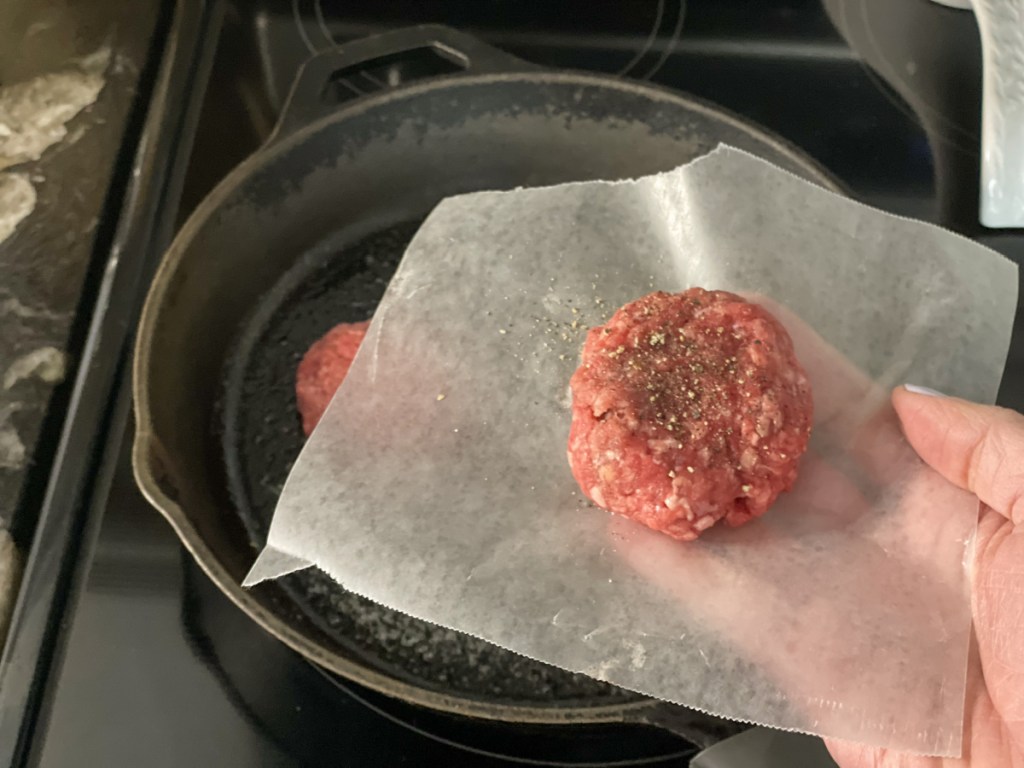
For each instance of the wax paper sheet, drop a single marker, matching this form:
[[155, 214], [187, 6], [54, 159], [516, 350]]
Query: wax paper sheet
[[437, 482]]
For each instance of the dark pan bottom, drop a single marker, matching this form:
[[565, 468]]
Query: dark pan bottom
[[261, 435]]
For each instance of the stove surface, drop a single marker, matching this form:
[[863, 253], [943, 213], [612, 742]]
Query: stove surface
[[158, 668]]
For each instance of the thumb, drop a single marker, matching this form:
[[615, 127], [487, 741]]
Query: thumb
[[977, 447]]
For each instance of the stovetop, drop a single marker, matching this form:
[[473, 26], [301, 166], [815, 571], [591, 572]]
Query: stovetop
[[152, 665]]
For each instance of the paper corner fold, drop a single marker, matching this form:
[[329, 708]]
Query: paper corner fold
[[271, 564]]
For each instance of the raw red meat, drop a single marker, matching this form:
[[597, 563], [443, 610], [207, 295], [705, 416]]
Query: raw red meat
[[323, 368], [687, 409]]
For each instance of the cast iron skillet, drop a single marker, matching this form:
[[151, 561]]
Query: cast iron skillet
[[304, 234]]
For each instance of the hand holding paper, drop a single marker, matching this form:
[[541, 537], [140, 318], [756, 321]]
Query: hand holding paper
[[470, 502]]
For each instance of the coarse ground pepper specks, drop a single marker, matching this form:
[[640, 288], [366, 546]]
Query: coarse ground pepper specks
[[687, 409]]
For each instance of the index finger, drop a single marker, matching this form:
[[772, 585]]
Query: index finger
[[977, 447]]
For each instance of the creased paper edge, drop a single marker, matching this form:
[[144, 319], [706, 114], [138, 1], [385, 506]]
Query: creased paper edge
[[721, 150], [955, 750]]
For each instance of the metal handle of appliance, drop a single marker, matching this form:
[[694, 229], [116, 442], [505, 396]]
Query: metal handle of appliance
[[1001, 23], [312, 97], [698, 728]]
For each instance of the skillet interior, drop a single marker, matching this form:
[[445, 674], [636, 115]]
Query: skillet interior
[[297, 210], [340, 282]]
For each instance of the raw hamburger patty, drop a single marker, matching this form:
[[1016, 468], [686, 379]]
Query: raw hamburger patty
[[323, 368], [688, 408]]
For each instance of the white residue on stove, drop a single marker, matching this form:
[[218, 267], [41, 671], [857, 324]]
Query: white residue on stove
[[34, 114], [12, 306], [33, 117], [47, 364], [12, 449], [17, 199], [10, 575]]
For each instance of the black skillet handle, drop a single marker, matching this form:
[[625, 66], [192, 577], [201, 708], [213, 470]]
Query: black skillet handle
[[380, 63]]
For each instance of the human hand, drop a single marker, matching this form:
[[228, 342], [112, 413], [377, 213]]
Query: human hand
[[979, 448], [856, 576]]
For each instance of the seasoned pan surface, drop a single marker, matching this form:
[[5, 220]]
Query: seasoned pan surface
[[262, 436]]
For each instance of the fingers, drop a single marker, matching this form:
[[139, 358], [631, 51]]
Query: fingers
[[977, 447]]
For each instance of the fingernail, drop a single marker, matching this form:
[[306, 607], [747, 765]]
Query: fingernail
[[922, 390]]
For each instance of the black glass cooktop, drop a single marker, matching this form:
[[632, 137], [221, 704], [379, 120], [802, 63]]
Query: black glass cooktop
[[152, 665]]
